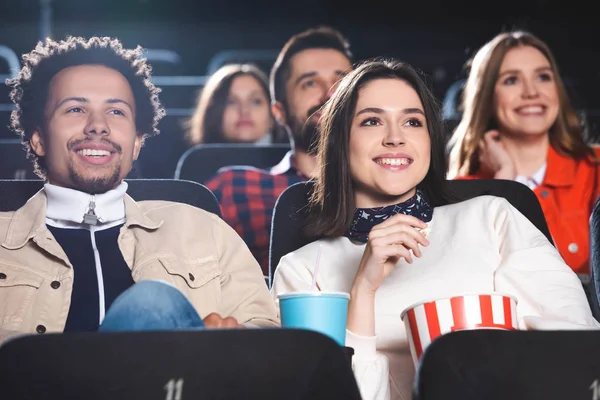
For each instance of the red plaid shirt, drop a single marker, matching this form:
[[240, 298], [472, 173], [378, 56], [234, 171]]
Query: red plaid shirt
[[247, 196]]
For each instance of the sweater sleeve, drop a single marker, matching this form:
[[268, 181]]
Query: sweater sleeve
[[550, 295], [370, 367]]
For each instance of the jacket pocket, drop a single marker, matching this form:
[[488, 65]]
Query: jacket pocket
[[195, 274], [18, 287], [198, 280]]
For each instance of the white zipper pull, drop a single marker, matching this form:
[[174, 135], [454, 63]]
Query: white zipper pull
[[90, 217]]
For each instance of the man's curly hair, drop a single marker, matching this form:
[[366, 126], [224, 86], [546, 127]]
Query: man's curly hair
[[30, 88]]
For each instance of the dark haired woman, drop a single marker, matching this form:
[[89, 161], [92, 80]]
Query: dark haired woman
[[235, 107], [395, 236]]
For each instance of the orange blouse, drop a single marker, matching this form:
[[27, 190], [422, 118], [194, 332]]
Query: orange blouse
[[567, 195]]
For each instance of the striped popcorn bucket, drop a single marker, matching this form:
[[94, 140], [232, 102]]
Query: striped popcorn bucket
[[426, 321]]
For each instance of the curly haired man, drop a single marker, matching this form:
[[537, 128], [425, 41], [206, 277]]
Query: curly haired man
[[81, 255]]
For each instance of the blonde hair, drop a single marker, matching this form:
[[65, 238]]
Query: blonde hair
[[566, 134]]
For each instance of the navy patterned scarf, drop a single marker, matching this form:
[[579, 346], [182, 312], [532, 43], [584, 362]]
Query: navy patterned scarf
[[366, 218]]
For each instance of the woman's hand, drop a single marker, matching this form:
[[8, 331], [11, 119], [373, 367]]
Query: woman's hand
[[493, 157], [395, 238]]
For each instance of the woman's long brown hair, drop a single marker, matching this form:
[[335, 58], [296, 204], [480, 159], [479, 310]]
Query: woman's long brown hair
[[566, 135]]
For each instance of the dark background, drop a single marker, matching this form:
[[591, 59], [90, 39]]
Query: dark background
[[437, 37]]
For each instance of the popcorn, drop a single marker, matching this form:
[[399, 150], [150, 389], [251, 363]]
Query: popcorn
[[425, 231]]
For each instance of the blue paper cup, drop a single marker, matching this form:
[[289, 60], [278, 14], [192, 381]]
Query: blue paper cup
[[323, 312]]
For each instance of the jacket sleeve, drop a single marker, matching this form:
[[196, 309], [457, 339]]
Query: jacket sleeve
[[244, 292], [370, 367], [550, 295]]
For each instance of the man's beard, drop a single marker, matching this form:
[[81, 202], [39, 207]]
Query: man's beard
[[305, 132], [96, 184], [305, 135]]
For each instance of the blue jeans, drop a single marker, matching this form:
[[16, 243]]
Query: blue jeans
[[151, 306]]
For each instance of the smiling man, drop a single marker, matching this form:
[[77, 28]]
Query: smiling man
[[89, 139], [70, 259]]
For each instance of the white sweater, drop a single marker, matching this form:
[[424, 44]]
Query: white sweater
[[479, 245]]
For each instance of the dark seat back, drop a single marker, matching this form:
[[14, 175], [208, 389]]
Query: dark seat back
[[14, 164], [499, 365], [201, 162], [207, 364]]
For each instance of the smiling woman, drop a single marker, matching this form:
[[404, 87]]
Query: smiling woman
[[357, 161], [519, 124], [379, 173], [394, 236]]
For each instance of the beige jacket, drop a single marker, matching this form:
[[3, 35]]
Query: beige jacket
[[192, 249]]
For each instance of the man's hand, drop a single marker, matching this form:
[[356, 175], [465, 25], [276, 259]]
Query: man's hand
[[214, 320]]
